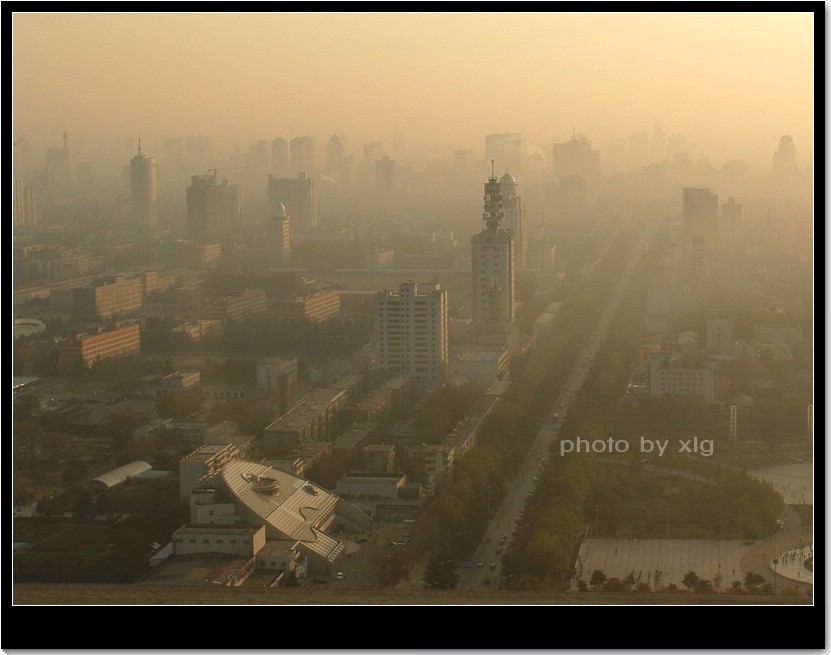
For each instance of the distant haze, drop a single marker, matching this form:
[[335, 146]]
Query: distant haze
[[732, 83]]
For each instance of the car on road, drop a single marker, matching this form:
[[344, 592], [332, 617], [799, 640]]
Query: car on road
[[340, 576], [499, 550], [493, 566]]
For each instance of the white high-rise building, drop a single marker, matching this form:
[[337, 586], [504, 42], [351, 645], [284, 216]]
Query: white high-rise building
[[411, 332], [492, 264], [144, 194], [515, 220]]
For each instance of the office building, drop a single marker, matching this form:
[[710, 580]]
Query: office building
[[84, 349], [144, 193], [700, 210], [239, 307], [411, 332], [676, 375], [280, 156], [492, 268], [107, 297], [575, 157], [278, 239], [318, 308], [24, 211], [302, 155], [515, 219], [385, 175], [299, 197], [504, 150], [204, 208]]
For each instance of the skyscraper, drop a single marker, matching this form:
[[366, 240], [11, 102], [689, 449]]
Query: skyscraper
[[204, 200], [302, 154], [280, 156], [700, 210], [504, 149], [411, 332], [492, 266], [385, 175], [575, 157], [24, 211], [515, 220], [279, 235], [59, 164], [299, 197], [144, 195]]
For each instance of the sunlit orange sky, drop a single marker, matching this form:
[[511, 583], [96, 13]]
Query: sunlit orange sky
[[732, 83]]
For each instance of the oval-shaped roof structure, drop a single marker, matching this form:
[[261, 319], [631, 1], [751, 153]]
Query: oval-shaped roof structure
[[507, 179], [123, 473]]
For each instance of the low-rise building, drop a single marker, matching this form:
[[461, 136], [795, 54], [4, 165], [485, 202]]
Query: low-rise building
[[312, 419], [85, 349], [673, 375], [238, 307], [318, 308]]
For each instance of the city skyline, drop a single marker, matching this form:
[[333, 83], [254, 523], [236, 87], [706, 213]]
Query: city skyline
[[732, 83]]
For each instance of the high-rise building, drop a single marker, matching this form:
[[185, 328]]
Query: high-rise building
[[504, 149], [302, 154], [231, 206], [575, 157], [144, 193], [24, 211], [279, 237], [204, 201], [338, 164], [515, 220], [299, 197], [700, 210], [492, 264], [280, 155], [59, 165], [334, 154], [385, 175], [411, 332]]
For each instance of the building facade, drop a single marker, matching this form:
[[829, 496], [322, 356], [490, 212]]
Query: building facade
[[204, 208], [515, 219], [299, 197], [144, 193], [318, 308], [411, 332], [492, 266], [83, 350], [244, 305]]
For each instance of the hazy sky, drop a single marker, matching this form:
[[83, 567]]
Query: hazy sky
[[733, 83]]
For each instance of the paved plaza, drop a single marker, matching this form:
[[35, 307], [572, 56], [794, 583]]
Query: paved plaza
[[791, 564], [793, 481], [617, 558]]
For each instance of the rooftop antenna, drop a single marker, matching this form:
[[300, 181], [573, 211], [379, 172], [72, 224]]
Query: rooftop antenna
[[492, 175], [139, 137]]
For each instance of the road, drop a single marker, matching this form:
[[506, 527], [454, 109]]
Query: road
[[498, 533]]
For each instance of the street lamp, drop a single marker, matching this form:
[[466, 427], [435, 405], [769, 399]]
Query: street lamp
[[775, 562]]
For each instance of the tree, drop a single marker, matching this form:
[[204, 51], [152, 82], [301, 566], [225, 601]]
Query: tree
[[690, 580], [441, 572], [598, 578], [752, 581]]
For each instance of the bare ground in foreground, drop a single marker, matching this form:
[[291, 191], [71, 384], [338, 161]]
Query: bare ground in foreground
[[123, 594]]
